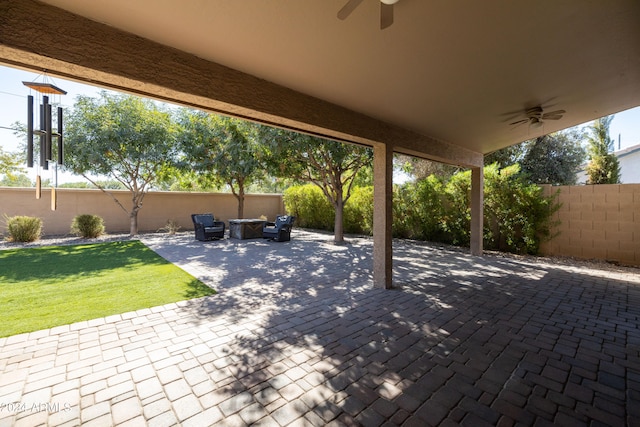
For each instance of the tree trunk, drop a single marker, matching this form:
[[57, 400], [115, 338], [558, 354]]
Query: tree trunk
[[133, 222], [133, 215], [338, 233], [240, 197]]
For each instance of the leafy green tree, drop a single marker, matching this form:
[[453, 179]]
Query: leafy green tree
[[16, 180], [554, 158], [10, 164], [332, 166], [124, 137], [107, 185], [603, 167], [220, 150], [420, 169], [549, 159], [506, 156]]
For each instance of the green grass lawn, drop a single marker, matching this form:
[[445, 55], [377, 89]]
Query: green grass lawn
[[56, 285]]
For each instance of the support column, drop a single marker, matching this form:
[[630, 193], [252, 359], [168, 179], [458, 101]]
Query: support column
[[382, 215], [477, 209]]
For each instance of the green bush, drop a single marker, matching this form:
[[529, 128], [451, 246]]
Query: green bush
[[310, 207], [87, 226], [419, 210], [517, 217], [457, 209], [24, 228], [358, 211]]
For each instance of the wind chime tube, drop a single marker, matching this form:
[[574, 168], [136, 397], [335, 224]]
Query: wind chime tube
[[38, 187], [42, 138], [47, 124], [60, 145], [30, 131]]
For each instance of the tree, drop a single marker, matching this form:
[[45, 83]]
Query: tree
[[9, 164], [506, 156], [124, 137], [603, 167], [332, 166], [16, 180], [420, 169], [549, 159], [554, 158], [107, 185], [220, 150]]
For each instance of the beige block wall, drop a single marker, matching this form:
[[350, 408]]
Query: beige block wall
[[157, 208], [597, 222]]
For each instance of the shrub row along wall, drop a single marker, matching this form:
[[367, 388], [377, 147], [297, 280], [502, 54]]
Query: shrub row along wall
[[157, 209], [597, 222]]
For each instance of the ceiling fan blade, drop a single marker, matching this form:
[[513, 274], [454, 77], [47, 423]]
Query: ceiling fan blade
[[386, 15], [519, 122], [554, 113], [348, 8], [552, 117]]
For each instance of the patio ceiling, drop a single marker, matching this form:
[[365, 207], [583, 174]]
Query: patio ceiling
[[457, 71]]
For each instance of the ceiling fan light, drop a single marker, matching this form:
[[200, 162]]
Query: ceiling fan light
[[389, 2], [535, 123]]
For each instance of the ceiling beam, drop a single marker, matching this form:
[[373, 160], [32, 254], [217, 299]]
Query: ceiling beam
[[40, 37]]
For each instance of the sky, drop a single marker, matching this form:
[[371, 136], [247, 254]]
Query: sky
[[13, 108]]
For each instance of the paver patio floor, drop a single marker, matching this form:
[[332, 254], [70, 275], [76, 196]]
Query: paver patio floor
[[298, 336]]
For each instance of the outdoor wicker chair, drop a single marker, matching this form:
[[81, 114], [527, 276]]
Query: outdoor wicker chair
[[280, 230], [206, 227]]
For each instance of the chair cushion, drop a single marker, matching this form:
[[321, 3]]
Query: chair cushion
[[282, 219], [205, 220]]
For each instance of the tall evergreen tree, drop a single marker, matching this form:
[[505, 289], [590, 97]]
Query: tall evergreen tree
[[603, 167]]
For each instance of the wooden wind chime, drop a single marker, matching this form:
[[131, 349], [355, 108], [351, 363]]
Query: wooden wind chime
[[46, 134]]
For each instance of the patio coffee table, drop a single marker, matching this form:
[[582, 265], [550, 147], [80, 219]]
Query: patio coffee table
[[246, 228]]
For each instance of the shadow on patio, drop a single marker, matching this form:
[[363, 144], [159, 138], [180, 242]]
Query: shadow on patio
[[297, 334]]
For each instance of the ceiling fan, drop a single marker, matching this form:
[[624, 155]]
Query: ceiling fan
[[536, 116], [386, 11]]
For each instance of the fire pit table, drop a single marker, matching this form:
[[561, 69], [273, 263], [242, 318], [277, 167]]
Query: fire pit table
[[246, 228]]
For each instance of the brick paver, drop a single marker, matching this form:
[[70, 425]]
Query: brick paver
[[298, 336]]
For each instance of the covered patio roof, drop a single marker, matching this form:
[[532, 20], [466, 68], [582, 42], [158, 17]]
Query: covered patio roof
[[444, 80]]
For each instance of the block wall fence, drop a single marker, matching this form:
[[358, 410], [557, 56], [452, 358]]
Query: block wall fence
[[157, 208], [597, 222]]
